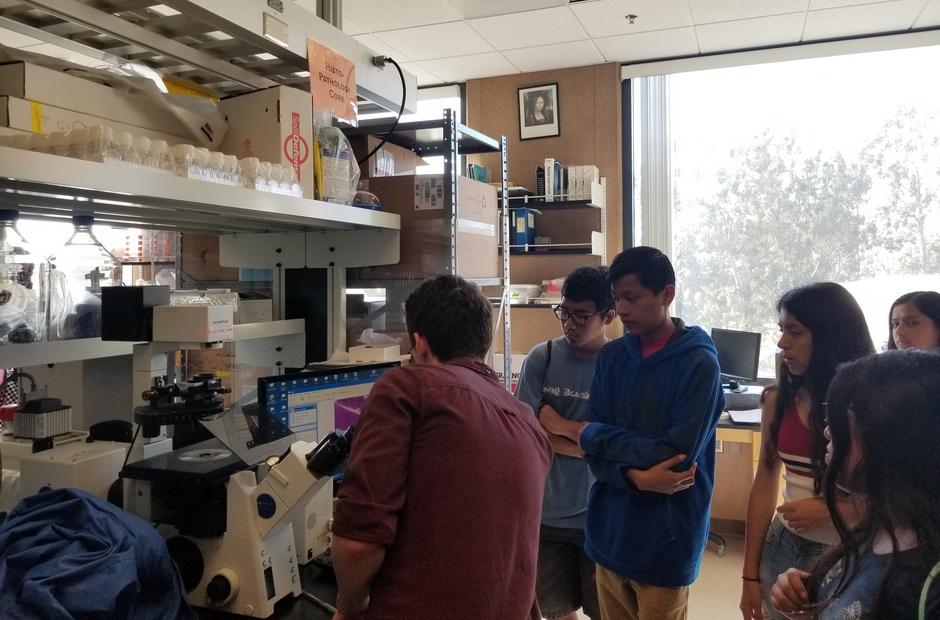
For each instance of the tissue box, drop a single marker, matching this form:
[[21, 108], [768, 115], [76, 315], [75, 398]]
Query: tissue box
[[369, 353]]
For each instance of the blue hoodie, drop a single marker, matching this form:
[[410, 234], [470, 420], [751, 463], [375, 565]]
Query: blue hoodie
[[643, 412]]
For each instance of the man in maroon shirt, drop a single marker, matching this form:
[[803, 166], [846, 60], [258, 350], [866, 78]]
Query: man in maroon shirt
[[438, 513]]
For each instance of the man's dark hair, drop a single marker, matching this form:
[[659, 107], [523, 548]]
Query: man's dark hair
[[453, 316], [589, 284], [651, 267]]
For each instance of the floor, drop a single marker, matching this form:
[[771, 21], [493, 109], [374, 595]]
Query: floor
[[716, 594]]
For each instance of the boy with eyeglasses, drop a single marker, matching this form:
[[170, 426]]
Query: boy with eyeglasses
[[556, 380]]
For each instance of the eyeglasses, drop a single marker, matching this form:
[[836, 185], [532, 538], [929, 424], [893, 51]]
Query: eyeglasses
[[578, 318]]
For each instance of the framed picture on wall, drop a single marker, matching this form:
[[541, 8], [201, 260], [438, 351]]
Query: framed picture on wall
[[538, 111]]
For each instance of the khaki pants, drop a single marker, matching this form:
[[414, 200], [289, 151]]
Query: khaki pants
[[625, 599]]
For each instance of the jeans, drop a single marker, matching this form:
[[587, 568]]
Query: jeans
[[783, 550]]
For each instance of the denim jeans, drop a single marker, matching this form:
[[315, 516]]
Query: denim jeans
[[783, 550]]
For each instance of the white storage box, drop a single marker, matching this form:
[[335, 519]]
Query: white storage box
[[369, 353], [31, 116], [274, 125], [28, 81], [193, 323]]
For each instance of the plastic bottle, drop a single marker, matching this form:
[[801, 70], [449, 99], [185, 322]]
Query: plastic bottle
[[125, 146], [160, 157], [23, 141], [101, 144], [201, 164], [59, 143], [215, 168], [23, 285], [230, 170], [263, 181], [86, 266], [78, 142], [142, 148], [184, 156]]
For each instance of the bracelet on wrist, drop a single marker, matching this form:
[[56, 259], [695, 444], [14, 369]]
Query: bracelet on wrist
[[754, 579]]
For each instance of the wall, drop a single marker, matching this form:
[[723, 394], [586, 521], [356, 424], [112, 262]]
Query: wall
[[589, 109]]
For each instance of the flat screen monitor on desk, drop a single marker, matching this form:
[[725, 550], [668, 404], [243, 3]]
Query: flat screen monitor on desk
[[315, 402], [738, 355]]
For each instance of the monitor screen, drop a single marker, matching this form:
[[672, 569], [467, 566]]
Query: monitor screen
[[313, 403], [738, 353]]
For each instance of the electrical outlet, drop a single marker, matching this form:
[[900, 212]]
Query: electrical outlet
[[719, 447]]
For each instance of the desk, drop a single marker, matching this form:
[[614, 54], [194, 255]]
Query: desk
[[735, 466]]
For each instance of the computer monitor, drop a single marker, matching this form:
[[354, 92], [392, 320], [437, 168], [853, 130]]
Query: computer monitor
[[738, 354], [314, 402]]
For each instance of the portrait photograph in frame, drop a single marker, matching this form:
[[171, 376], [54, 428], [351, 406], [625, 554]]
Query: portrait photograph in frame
[[538, 111]]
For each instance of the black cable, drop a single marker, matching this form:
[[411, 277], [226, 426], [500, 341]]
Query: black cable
[[318, 602], [130, 447], [401, 110]]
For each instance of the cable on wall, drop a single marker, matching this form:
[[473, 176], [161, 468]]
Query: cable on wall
[[379, 61]]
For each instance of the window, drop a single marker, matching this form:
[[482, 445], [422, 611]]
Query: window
[[781, 174]]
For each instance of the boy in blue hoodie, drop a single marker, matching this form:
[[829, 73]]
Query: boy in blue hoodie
[[655, 401]]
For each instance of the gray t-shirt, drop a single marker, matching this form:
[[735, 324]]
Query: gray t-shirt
[[566, 387]]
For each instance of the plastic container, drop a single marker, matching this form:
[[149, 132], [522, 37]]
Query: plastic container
[[80, 269], [23, 285]]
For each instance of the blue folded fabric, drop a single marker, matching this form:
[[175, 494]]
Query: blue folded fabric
[[67, 554]]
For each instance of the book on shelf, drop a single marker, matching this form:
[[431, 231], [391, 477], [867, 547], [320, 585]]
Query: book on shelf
[[580, 179], [554, 179], [540, 181]]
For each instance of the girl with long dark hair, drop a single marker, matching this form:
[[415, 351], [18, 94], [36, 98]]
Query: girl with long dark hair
[[914, 321], [821, 327], [884, 429]]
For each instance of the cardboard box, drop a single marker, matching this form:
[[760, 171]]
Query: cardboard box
[[195, 323], [369, 353], [31, 116], [389, 161], [515, 368], [239, 377], [34, 83], [419, 200], [275, 125]]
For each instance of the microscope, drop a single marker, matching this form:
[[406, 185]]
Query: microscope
[[235, 508]]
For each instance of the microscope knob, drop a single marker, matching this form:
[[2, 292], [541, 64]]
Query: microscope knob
[[222, 588]]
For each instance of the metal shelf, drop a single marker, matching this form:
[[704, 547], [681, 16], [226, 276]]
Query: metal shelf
[[426, 138], [60, 352], [53, 187]]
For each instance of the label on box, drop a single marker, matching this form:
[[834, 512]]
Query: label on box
[[429, 193], [332, 82]]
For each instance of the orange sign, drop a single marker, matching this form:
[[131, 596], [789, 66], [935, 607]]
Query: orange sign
[[332, 82]]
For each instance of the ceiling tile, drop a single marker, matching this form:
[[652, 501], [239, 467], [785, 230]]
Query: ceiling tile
[[815, 5], [649, 45], [748, 33], [530, 28], [607, 18], [461, 68], [380, 47], [573, 54], [438, 41], [425, 77], [708, 11], [378, 15], [861, 19], [472, 9], [930, 16]]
